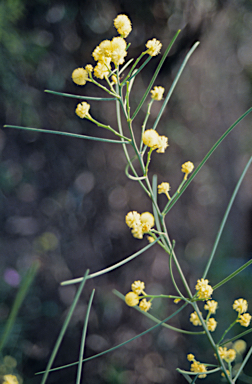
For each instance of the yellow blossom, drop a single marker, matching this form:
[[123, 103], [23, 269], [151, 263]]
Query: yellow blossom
[[80, 76], [154, 46], [131, 299], [144, 305], [10, 379], [211, 324], [244, 319], [118, 50], [204, 290], [157, 93], [164, 188], [211, 306], [123, 25], [147, 218], [101, 70], [114, 79], [187, 168], [222, 352], [138, 287], [240, 305], [89, 68], [194, 319], [190, 357], [137, 231], [230, 355], [150, 138], [162, 144], [132, 219], [240, 346], [82, 110], [197, 367]]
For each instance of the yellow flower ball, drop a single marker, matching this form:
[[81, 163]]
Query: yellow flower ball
[[157, 93], [154, 46], [82, 110], [131, 299], [80, 76], [123, 25]]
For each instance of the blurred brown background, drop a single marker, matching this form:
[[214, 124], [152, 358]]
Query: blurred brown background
[[63, 200]]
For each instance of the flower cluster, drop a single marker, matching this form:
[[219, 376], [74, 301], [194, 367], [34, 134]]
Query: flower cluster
[[227, 354], [187, 168], [152, 139], [132, 298], [10, 379], [204, 290], [82, 110], [164, 188], [140, 224], [157, 93], [196, 366], [241, 306]]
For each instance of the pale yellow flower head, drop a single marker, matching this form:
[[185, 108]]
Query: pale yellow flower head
[[137, 231], [194, 319], [244, 319], [240, 346], [82, 110], [222, 352], [211, 306], [138, 287], [154, 46], [123, 25], [118, 50], [150, 239], [147, 218], [240, 305], [163, 188], [197, 367], [80, 76], [132, 219], [102, 70], [157, 93], [131, 299], [204, 290], [144, 305], [162, 144], [89, 68], [187, 168], [10, 379], [230, 355], [211, 324], [150, 138], [190, 357]]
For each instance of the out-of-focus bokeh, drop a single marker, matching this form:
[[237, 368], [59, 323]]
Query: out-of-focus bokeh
[[63, 200]]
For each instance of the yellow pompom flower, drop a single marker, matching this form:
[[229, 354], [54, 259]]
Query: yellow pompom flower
[[230, 355], [132, 219], [187, 168], [190, 357], [10, 379], [162, 144], [137, 231], [157, 93], [144, 305], [123, 25], [138, 287], [240, 305], [197, 367], [131, 299], [80, 76], [222, 352], [154, 46], [194, 319], [118, 50], [147, 218], [164, 188], [211, 324], [244, 319], [150, 138], [204, 289], [101, 70], [89, 68], [82, 110], [211, 306]]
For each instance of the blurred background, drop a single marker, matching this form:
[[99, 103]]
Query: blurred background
[[63, 200]]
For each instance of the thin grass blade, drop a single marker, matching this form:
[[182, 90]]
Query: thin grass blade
[[155, 75], [223, 222], [64, 328], [119, 345], [236, 337], [245, 360], [109, 269], [67, 134], [83, 338], [24, 287], [232, 275], [80, 97]]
